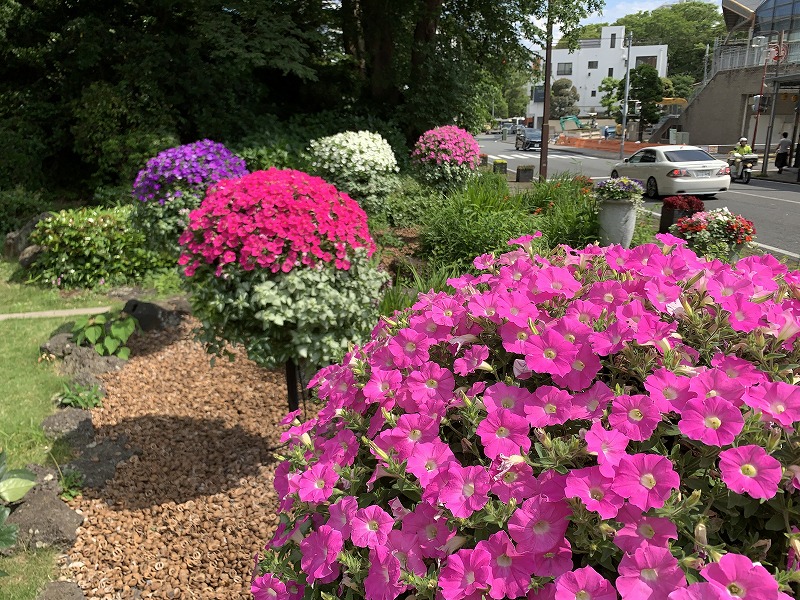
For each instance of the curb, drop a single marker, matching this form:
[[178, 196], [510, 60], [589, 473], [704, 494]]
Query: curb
[[70, 312]]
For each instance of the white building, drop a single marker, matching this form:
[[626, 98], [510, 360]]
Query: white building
[[593, 61]]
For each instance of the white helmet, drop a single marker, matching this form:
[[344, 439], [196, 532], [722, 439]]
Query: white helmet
[[743, 140]]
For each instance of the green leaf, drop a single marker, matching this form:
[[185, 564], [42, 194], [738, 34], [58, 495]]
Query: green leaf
[[100, 319], [111, 344], [15, 484], [93, 333], [124, 353], [80, 323]]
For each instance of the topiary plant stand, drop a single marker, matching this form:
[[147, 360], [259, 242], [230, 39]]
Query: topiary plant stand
[[617, 222]]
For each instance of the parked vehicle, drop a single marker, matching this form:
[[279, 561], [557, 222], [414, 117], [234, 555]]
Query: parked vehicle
[[676, 171], [742, 166], [529, 139]]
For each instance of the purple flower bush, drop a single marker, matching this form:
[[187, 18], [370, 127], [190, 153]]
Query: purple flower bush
[[173, 183], [598, 423], [446, 156]]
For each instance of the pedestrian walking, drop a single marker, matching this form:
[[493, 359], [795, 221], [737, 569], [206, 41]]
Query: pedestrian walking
[[782, 152]]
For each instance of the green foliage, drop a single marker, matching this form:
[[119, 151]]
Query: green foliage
[[107, 333], [566, 209], [563, 99], [408, 204], [308, 315], [646, 87], [80, 396], [479, 219], [161, 225], [87, 247], [71, 483], [17, 205], [14, 483], [682, 85], [686, 27], [609, 87], [409, 283]]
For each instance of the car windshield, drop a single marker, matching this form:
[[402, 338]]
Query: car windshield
[[688, 155], [533, 134]]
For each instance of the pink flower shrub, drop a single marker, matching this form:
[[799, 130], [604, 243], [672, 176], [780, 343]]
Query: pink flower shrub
[[446, 155], [669, 471]]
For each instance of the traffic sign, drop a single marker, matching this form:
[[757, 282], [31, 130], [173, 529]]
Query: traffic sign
[[778, 51]]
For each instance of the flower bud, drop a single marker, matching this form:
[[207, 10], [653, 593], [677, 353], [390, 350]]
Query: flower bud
[[606, 530], [774, 439], [692, 562], [714, 555], [543, 437], [454, 543], [305, 439], [484, 366], [700, 534]]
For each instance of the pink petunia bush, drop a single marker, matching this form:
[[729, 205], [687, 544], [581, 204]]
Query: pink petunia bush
[[662, 462], [278, 261], [446, 156]]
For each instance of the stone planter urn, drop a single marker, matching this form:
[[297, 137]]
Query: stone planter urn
[[670, 216], [500, 167], [617, 222]]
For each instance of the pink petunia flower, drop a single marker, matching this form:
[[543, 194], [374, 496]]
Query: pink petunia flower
[[585, 367], [554, 562], [383, 580], [635, 416], [501, 396], [513, 481], [737, 577], [548, 405], [649, 572], [371, 527], [713, 421], [538, 525], [670, 392], [698, 591], [594, 490], [641, 530], [430, 381], [510, 570], [715, 383], [316, 484], [779, 401], [549, 353], [464, 489], [473, 357], [319, 551], [341, 515], [646, 480], [405, 547], [503, 432], [268, 587], [409, 348], [465, 575], [427, 459], [750, 470], [609, 446], [584, 584], [591, 403]]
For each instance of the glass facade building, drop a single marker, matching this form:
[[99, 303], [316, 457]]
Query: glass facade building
[[772, 16]]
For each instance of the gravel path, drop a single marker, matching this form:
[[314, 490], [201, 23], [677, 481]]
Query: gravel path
[[184, 517]]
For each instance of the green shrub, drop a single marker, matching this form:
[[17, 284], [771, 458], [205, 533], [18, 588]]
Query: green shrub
[[408, 204], [80, 396], [567, 210], [408, 285], [479, 219], [87, 247], [359, 163], [107, 333], [17, 206]]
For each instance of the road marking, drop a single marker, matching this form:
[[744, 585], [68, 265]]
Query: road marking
[[493, 157], [506, 156], [591, 158], [764, 197]]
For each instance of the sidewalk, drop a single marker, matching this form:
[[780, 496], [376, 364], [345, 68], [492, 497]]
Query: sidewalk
[[789, 175], [69, 312]]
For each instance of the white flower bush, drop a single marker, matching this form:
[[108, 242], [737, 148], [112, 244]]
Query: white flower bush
[[359, 163]]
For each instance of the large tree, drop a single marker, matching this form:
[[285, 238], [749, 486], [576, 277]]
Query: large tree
[[564, 99], [647, 88], [685, 27]]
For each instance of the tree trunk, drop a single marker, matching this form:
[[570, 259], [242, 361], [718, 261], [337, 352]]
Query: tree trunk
[[352, 36], [378, 25], [424, 34]]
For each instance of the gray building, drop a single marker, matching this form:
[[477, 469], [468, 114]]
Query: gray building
[[760, 56]]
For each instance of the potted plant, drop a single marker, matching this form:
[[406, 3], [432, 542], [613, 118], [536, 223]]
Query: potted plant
[[675, 207], [525, 173], [484, 159], [617, 199], [717, 233], [500, 166]]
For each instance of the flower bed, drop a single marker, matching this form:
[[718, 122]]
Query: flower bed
[[717, 233], [602, 421], [446, 156]]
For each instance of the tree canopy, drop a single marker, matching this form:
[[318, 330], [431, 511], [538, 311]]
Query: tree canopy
[[564, 99]]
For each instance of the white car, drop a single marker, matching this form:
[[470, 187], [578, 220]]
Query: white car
[[676, 171]]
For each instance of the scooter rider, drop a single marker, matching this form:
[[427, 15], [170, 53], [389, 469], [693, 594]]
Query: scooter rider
[[741, 149]]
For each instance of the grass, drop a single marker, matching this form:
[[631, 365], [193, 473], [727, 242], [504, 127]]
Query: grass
[[28, 572], [17, 298]]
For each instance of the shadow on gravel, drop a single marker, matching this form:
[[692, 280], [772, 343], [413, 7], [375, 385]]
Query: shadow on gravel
[[179, 459]]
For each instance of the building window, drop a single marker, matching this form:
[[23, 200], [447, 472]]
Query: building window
[[594, 93], [564, 69], [646, 60], [613, 40], [592, 64], [611, 71]]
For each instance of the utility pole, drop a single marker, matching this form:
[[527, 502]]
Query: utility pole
[[627, 93], [705, 66], [548, 70]]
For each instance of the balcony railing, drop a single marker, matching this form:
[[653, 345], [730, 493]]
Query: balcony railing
[[740, 55]]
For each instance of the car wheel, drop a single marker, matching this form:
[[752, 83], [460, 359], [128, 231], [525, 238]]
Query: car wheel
[[614, 175], [652, 189]]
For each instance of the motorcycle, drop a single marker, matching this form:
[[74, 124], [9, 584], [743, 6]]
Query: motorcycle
[[742, 166]]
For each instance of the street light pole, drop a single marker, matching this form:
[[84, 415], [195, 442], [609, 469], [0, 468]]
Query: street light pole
[[627, 93], [548, 70]]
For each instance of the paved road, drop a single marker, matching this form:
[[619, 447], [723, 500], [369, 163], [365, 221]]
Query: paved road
[[773, 207]]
